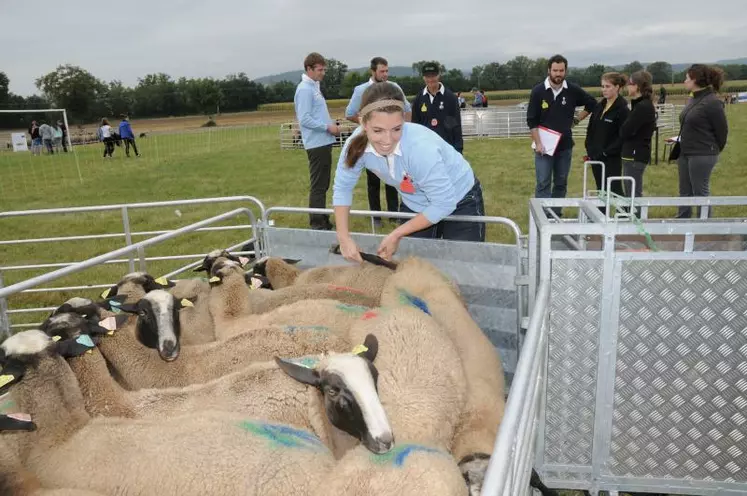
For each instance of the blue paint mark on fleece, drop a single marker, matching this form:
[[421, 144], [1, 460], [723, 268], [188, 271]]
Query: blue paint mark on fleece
[[399, 454], [284, 436], [410, 299], [315, 328]]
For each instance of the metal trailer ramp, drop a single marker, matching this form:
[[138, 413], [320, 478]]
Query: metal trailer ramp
[[635, 361]]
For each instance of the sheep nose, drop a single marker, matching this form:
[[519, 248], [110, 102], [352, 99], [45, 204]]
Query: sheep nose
[[384, 442], [169, 351]]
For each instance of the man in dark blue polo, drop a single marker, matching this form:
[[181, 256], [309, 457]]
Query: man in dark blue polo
[[552, 105], [437, 108]]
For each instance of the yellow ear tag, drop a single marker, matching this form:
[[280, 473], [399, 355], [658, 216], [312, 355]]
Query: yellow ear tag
[[89, 352], [186, 303], [359, 349], [110, 333], [56, 338], [6, 379], [162, 281], [214, 279], [105, 293]]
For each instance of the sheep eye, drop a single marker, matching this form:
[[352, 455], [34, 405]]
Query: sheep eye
[[142, 313], [332, 392]]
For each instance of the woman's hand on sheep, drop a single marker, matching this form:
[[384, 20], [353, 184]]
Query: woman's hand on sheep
[[349, 249], [388, 246]]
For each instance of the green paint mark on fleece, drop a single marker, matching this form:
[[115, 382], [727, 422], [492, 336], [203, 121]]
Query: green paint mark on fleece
[[306, 361], [283, 436], [7, 406], [354, 309], [399, 454]]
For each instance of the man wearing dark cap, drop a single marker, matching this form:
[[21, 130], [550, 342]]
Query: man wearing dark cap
[[437, 108]]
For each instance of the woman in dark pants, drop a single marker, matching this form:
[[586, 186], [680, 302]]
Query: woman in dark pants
[[603, 141], [637, 130], [703, 133], [434, 179]]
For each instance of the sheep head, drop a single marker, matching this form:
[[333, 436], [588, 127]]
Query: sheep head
[[348, 383]]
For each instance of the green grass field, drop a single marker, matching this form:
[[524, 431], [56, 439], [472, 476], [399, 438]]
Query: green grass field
[[245, 161]]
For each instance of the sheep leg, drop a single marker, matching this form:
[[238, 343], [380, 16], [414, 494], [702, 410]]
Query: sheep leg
[[537, 483], [473, 468]]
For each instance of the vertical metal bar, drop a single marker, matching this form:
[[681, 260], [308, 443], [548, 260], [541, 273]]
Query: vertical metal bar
[[4, 318], [532, 261], [128, 237], [606, 353]]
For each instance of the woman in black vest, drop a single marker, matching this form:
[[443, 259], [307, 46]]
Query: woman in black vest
[[637, 130], [603, 142]]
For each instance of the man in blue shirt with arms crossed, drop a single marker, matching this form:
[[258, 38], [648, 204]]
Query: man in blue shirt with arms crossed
[[318, 132], [379, 74]]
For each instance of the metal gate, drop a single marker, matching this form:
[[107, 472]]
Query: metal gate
[[634, 371]]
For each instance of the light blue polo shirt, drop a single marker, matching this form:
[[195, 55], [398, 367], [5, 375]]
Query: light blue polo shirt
[[312, 114], [440, 174]]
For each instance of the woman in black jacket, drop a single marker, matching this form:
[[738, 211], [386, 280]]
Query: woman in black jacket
[[703, 132], [637, 130], [603, 142]]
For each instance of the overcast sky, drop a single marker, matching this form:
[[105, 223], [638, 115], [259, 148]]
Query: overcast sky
[[126, 40]]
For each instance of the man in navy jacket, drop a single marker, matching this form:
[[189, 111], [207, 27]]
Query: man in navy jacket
[[552, 104]]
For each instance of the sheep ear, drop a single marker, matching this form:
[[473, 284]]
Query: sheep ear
[[200, 268], [70, 348], [16, 422], [300, 373], [371, 345], [107, 293], [377, 260], [164, 283], [11, 374], [129, 307], [291, 261], [186, 302]]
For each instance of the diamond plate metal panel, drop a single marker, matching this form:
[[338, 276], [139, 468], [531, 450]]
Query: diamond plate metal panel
[[572, 366], [681, 381]]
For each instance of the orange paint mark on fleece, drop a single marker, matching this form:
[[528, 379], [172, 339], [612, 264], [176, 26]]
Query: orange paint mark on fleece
[[371, 314], [346, 289]]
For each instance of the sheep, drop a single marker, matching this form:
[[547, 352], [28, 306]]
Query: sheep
[[248, 390], [367, 277], [209, 452], [418, 283], [421, 380], [138, 368], [211, 257], [197, 323]]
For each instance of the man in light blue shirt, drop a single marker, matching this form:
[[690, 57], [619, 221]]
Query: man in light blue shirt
[[318, 133], [379, 73]]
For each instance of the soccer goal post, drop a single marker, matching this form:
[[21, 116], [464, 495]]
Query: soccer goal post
[[45, 111]]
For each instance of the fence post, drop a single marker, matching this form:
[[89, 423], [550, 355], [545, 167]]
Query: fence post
[[155, 138], [4, 319], [128, 237]]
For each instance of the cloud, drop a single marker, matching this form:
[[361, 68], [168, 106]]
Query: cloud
[[196, 38]]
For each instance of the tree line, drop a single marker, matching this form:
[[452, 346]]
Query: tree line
[[88, 98]]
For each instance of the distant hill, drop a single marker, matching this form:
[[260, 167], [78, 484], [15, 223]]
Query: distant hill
[[743, 60], [295, 76]]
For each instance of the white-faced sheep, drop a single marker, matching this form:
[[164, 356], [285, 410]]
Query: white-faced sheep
[[418, 283], [209, 453], [344, 397], [421, 382], [157, 327], [196, 322]]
